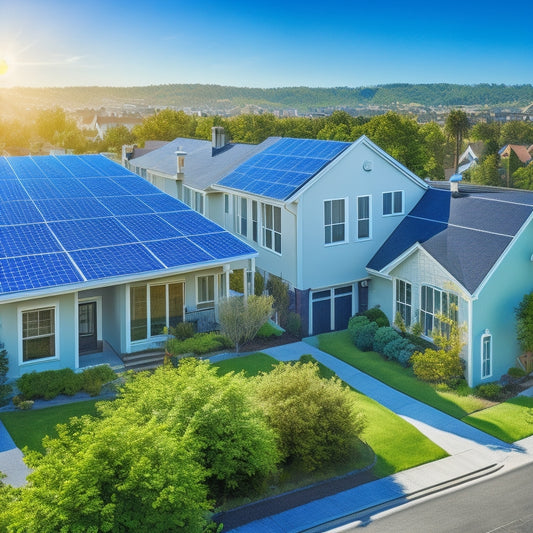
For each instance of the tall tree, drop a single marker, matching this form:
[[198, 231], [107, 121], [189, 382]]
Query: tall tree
[[457, 126], [486, 172]]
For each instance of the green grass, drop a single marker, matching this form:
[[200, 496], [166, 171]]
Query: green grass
[[28, 428], [251, 364]]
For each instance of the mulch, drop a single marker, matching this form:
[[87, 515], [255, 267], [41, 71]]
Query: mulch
[[258, 344]]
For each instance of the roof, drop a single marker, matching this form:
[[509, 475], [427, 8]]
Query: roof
[[521, 152], [76, 219], [203, 166], [281, 169], [466, 233]]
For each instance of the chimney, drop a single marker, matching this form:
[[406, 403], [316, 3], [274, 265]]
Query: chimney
[[218, 139], [180, 154], [454, 184]]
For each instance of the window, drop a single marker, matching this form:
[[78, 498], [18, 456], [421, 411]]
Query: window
[[363, 217], [334, 221], [205, 296], [193, 199], [393, 203], [226, 204], [272, 228], [242, 216], [403, 301], [435, 302], [38, 334], [158, 305], [486, 354], [254, 221]]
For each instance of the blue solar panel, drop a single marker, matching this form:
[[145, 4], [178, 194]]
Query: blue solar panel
[[163, 202], [113, 261], [78, 167], [6, 172], [125, 205], [104, 187], [104, 165], [190, 222], [136, 185], [71, 209], [23, 212], [39, 188], [36, 271], [92, 233], [51, 167], [70, 188], [148, 227], [221, 245], [12, 190], [27, 239], [177, 252], [25, 167]]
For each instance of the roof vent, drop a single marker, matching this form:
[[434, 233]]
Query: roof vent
[[218, 139], [454, 183], [180, 154]]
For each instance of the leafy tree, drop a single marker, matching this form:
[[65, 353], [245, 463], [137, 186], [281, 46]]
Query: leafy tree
[[487, 171], [316, 420], [516, 132], [241, 318], [523, 177], [435, 147], [524, 323], [279, 289], [165, 126], [115, 138], [457, 126]]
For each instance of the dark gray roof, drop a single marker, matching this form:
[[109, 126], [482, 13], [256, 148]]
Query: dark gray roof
[[465, 233], [202, 166]]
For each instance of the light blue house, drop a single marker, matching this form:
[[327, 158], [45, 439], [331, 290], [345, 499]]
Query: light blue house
[[93, 255], [472, 248]]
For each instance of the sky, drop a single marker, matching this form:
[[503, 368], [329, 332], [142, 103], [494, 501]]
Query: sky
[[279, 43]]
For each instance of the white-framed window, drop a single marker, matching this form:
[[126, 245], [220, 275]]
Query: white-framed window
[[38, 335], [255, 221], [486, 354], [393, 203], [205, 292], [335, 221], [403, 300], [434, 302], [364, 228], [226, 204], [154, 307], [241, 214], [272, 228], [194, 199]]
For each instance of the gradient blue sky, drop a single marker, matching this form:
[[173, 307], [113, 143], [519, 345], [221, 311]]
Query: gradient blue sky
[[264, 44]]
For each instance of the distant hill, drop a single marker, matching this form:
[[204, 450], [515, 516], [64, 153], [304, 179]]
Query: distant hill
[[217, 97]]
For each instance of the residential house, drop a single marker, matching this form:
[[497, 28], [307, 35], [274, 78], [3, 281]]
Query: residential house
[[103, 123], [471, 156], [317, 211], [512, 157], [92, 255], [467, 254]]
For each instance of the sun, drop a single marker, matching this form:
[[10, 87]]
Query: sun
[[3, 67]]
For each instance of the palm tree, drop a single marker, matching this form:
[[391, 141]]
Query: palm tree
[[457, 125]]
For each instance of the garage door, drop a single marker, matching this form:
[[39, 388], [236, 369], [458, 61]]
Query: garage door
[[332, 308]]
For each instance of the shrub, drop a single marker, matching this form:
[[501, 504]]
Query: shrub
[[49, 384], [294, 324], [524, 323], [92, 379], [183, 330], [516, 372], [365, 338], [420, 343], [399, 349], [355, 324], [489, 391], [399, 322], [268, 330], [259, 284], [5, 389], [200, 344], [416, 329], [383, 337], [277, 288], [437, 366], [375, 314]]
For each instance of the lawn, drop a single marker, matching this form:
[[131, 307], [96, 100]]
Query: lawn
[[507, 421], [28, 428]]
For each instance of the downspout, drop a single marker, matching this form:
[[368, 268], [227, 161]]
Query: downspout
[[470, 355]]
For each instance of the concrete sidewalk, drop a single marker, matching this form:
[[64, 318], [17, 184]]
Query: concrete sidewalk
[[11, 462], [472, 455]]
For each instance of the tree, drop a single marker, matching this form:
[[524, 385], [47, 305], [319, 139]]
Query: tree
[[280, 292], [523, 177], [524, 323], [435, 145], [241, 318], [486, 172], [316, 420], [457, 126], [165, 126], [516, 132], [4, 388], [115, 138]]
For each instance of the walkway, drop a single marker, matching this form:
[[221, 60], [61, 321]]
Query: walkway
[[472, 454]]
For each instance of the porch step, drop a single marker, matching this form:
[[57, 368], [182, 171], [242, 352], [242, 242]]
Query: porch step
[[143, 360]]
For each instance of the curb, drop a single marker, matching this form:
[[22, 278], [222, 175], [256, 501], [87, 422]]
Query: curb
[[412, 496]]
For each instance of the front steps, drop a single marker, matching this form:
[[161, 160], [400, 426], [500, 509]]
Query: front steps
[[143, 360]]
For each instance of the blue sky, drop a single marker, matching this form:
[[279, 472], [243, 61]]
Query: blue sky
[[263, 44]]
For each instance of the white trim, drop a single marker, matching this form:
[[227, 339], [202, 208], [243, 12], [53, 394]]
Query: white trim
[[486, 335], [215, 289], [393, 213], [262, 222], [47, 304], [346, 223]]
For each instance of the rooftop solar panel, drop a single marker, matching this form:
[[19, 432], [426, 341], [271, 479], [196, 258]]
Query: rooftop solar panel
[[104, 187], [6, 172], [51, 167], [25, 167], [148, 227], [39, 188], [12, 190], [136, 185], [178, 252], [71, 209], [70, 188], [221, 245], [125, 205], [27, 239], [77, 166], [23, 212], [104, 165], [190, 222], [163, 202]]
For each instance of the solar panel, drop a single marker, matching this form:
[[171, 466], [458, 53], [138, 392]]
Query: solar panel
[[25, 167], [27, 239], [221, 245], [148, 227], [104, 187], [39, 188], [6, 172], [125, 205], [71, 209], [76, 165], [70, 188], [104, 165], [190, 222], [12, 190], [163, 202], [91, 233], [177, 252], [51, 167], [36, 271], [113, 261], [136, 185], [23, 212]]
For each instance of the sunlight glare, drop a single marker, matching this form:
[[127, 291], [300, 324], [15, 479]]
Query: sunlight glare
[[3, 67]]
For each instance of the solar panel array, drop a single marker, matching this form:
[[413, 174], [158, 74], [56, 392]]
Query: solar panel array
[[280, 170], [68, 219]]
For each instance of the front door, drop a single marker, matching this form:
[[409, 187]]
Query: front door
[[88, 341]]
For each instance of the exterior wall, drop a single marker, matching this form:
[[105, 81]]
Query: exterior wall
[[495, 308], [215, 207], [66, 331], [321, 264], [380, 295]]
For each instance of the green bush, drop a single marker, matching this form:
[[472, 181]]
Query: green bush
[[5, 389], [516, 372], [92, 379], [279, 289], [200, 344], [375, 314], [355, 324], [399, 349], [489, 391], [437, 366], [183, 330], [268, 330], [365, 337], [294, 324], [259, 284], [420, 343], [383, 337]]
